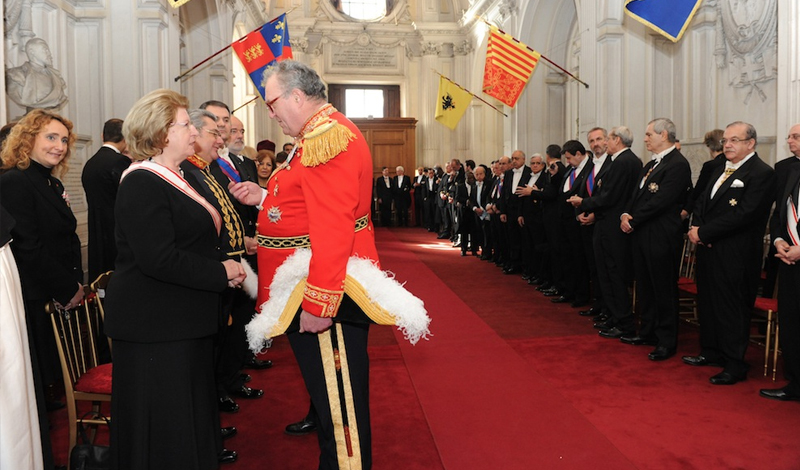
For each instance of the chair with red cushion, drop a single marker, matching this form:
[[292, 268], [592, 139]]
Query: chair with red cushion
[[84, 379]]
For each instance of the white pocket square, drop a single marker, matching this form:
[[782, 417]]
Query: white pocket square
[[737, 183]]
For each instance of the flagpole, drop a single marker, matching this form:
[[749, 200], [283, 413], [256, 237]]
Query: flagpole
[[242, 106], [471, 93], [228, 46], [540, 55]]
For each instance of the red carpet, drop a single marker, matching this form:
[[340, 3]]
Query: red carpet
[[510, 381]]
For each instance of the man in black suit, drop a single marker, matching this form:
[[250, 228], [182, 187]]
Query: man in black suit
[[402, 196], [226, 167], [653, 220], [547, 191], [598, 140], [572, 255], [384, 191], [456, 180], [509, 207], [728, 226], [783, 227], [783, 169], [499, 229], [611, 245], [482, 190], [419, 182], [100, 179], [430, 195], [441, 204], [532, 222]]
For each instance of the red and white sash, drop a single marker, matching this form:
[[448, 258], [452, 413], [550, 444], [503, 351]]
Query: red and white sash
[[179, 183]]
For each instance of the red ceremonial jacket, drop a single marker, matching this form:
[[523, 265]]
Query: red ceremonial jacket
[[323, 201]]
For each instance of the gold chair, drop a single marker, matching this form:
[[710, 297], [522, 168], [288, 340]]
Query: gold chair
[[687, 288], [84, 379], [767, 310], [98, 287]]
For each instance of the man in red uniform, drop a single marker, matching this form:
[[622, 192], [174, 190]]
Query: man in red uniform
[[313, 228]]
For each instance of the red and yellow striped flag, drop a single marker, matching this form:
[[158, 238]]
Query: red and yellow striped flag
[[509, 66]]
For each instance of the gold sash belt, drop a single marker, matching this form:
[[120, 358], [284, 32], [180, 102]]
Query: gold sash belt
[[302, 241]]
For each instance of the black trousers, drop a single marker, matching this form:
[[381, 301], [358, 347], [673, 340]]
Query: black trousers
[[326, 387], [725, 298], [232, 351], [789, 308], [612, 255], [656, 255]]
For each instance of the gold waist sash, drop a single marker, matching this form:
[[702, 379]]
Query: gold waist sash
[[302, 241]]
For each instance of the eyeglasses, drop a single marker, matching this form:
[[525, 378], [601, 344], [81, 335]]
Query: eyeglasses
[[733, 140], [181, 124], [213, 132], [272, 101], [793, 137]]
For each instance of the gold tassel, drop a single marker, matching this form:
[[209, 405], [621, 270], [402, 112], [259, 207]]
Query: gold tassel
[[325, 142]]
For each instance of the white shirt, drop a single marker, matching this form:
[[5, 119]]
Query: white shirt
[[517, 172], [722, 177], [598, 163], [657, 157], [577, 172], [534, 179]]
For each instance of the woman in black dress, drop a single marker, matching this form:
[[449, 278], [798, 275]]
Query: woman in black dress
[[44, 242], [162, 302]]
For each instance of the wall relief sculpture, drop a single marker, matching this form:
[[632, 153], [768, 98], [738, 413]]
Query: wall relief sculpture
[[746, 43]]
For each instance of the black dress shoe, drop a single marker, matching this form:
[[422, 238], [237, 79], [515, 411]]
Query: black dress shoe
[[227, 456], [578, 303], [661, 353], [700, 360], [246, 378], [592, 312], [637, 340], [510, 270], [442, 236], [725, 378], [301, 428], [602, 317], [247, 392], [544, 286], [527, 277], [227, 405], [559, 300], [778, 394], [257, 364], [486, 258], [228, 432], [551, 293], [613, 333], [602, 325]]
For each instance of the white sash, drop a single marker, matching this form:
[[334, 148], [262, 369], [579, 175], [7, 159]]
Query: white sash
[[179, 183]]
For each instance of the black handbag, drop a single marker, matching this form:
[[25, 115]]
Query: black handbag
[[88, 456]]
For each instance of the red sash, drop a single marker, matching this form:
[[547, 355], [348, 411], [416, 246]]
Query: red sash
[[178, 183]]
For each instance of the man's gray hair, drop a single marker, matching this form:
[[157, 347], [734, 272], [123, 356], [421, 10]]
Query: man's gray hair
[[197, 115], [624, 134], [750, 131], [663, 124], [292, 74]]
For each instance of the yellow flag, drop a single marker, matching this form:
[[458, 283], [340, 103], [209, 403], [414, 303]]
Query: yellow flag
[[452, 102]]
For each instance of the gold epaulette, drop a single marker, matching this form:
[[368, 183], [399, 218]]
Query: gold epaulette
[[327, 140]]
